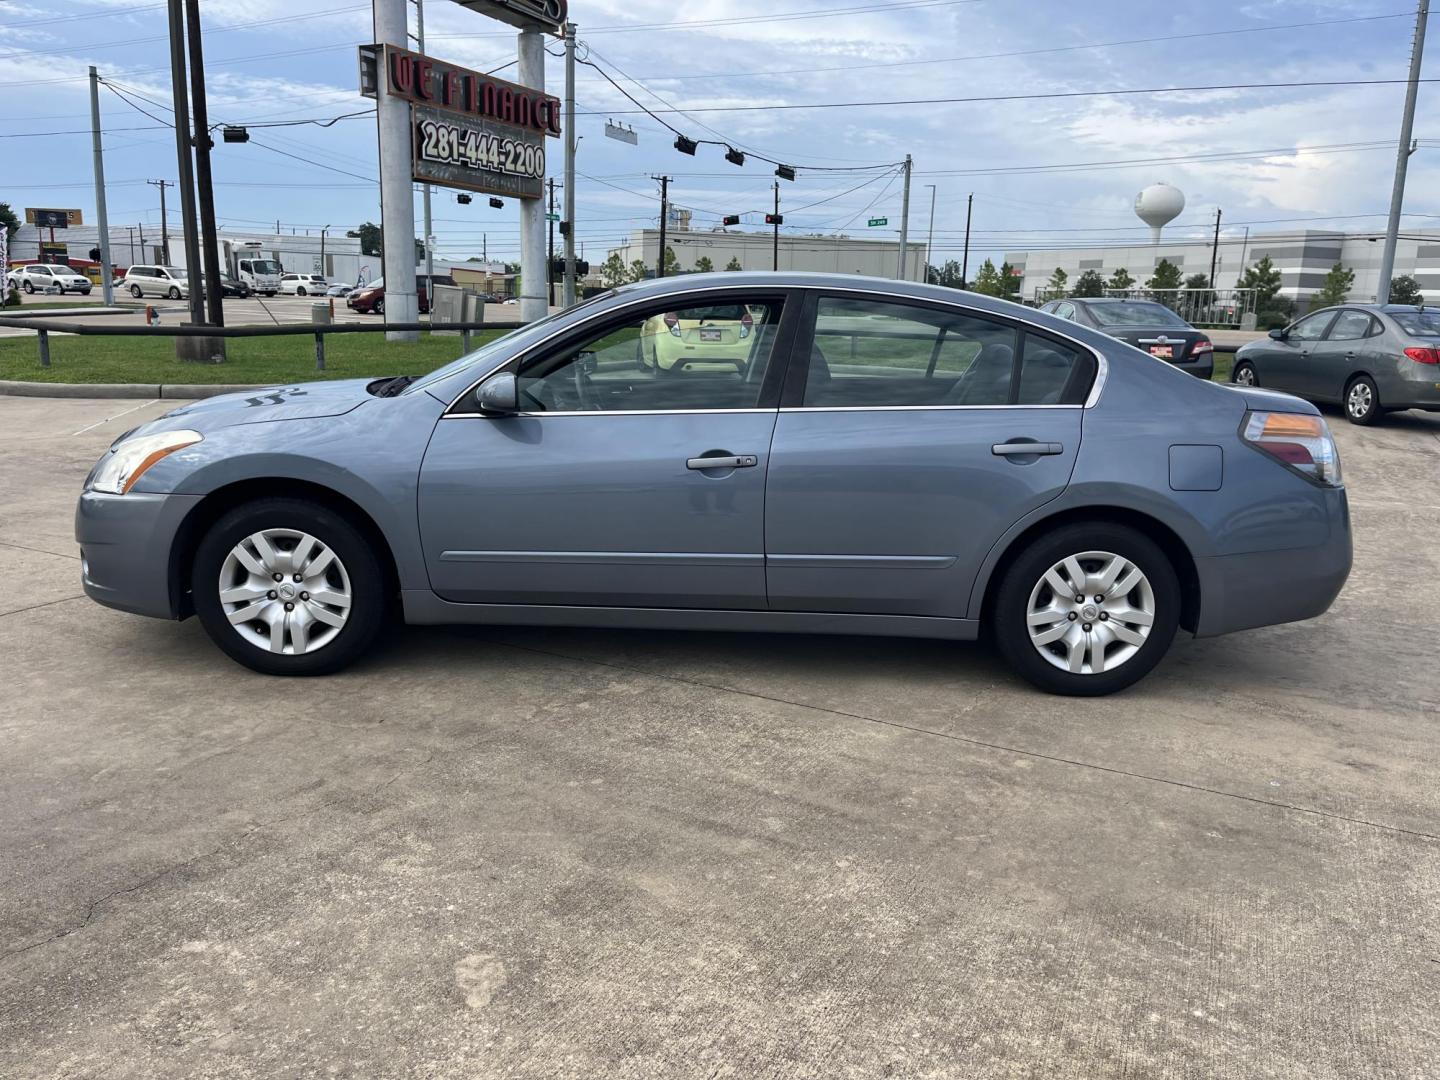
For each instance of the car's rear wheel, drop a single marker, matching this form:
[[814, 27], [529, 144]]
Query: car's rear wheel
[[300, 291], [1087, 610], [1244, 374], [1362, 401], [286, 587]]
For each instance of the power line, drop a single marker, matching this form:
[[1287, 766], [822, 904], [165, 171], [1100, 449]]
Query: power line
[[1054, 95], [76, 18]]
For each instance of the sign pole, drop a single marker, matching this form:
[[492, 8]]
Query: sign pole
[[397, 196], [180, 99], [425, 191], [569, 137], [533, 305], [102, 221]]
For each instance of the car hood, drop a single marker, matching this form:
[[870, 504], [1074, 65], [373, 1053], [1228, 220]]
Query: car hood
[[298, 401]]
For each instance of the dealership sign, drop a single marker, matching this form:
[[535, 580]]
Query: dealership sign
[[548, 15]]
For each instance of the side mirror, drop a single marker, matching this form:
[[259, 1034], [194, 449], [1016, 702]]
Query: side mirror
[[499, 394], [1280, 333]]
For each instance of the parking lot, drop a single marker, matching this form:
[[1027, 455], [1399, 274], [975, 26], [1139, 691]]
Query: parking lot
[[534, 853]]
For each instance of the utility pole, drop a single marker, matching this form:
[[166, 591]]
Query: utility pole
[[905, 218], [965, 257], [929, 236], [209, 241], [1402, 156], [397, 195], [425, 190], [1215, 248], [107, 278], [130, 229], [164, 222], [550, 262], [323, 231], [664, 213], [775, 233], [570, 147], [180, 99]]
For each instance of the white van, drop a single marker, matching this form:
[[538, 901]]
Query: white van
[[169, 281]]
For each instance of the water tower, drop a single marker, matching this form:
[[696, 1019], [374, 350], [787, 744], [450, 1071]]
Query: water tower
[[1157, 206]]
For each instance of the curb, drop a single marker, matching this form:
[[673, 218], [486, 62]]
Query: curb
[[142, 391]]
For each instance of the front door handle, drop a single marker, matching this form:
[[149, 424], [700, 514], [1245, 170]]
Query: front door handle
[[1021, 449], [734, 461]]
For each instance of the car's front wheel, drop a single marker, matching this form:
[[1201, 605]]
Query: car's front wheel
[[174, 293], [379, 307], [286, 587], [1362, 401], [30, 287], [1087, 610], [1244, 374]]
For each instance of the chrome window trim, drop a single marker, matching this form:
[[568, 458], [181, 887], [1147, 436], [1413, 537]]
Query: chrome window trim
[[603, 412], [916, 408], [1102, 370]]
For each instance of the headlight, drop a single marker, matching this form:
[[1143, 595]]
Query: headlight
[[128, 460]]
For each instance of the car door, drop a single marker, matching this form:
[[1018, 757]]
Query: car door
[[1338, 354], [614, 483], [1285, 363], [911, 436]]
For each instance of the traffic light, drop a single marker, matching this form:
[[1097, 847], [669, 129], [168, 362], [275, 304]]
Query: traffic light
[[735, 157], [463, 199], [785, 172], [774, 219], [557, 267], [498, 204], [685, 146], [730, 219], [95, 254], [564, 228], [234, 134]]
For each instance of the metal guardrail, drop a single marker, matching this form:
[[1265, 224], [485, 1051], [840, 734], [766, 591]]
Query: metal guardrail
[[44, 327]]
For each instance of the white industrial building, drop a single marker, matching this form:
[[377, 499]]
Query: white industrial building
[[1303, 259], [754, 250]]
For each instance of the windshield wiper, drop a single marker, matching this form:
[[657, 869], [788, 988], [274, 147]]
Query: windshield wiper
[[391, 386]]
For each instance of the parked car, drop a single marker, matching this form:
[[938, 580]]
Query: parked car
[[1149, 326], [303, 285], [229, 286], [339, 289], [716, 336], [171, 282], [891, 458], [1369, 358], [42, 277], [371, 298]]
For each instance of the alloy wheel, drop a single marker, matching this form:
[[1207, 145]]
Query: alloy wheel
[[284, 591], [1360, 400], [1245, 375], [1090, 612]]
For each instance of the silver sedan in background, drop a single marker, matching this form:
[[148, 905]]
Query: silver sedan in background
[[1371, 359]]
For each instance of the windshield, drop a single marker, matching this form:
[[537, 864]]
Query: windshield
[[494, 350], [1135, 313], [1418, 323]]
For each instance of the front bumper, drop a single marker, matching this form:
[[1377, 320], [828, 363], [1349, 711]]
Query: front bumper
[[126, 545], [1262, 588]]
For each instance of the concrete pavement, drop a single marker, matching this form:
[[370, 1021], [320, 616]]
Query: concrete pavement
[[569, 853]]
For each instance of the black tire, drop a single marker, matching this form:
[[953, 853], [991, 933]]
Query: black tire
[[1362, 401], [136, 292], [174, 293], [30, 287], [379, 307], [1245, 365], [368, 590], [1012, 600], [300, 291]]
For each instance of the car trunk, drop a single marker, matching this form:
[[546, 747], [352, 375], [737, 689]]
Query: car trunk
[[1172, 343]]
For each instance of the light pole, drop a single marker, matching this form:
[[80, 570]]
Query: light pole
[[323, 271], [929, 235]]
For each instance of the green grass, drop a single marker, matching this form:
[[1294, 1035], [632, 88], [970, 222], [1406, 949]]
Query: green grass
[[1224, 361], [94, 359]]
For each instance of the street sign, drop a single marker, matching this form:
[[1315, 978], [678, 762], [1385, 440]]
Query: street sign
[[874, 221], [552, 217]]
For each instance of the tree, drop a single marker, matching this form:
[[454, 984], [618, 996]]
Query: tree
[[1196, 282], [734, 263], [9, 220], [1009, 282], [1166, 276], [1090, 283], [703, 265], [948, 275], [987, 280], [639, 270], [612, 271], [1405, 290], [369, 236], [672, 264], [1120, 279], [1058, 281], [1264, 278], [1336, 287]]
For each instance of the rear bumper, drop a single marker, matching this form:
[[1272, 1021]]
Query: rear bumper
[[1203, 368], [1262, 588], [126, 543]]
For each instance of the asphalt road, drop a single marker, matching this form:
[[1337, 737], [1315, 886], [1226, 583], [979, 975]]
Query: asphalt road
[[578, 854]]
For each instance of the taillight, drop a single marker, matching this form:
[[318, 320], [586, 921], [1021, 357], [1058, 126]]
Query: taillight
[[1423, 355], [1202, 346], [673, 322], [746, 325], [1298, 440]]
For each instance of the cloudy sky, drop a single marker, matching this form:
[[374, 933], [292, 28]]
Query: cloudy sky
[[1044, 172]]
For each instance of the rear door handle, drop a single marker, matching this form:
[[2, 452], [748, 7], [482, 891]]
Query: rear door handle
[[735, 461], [1021, 449]]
